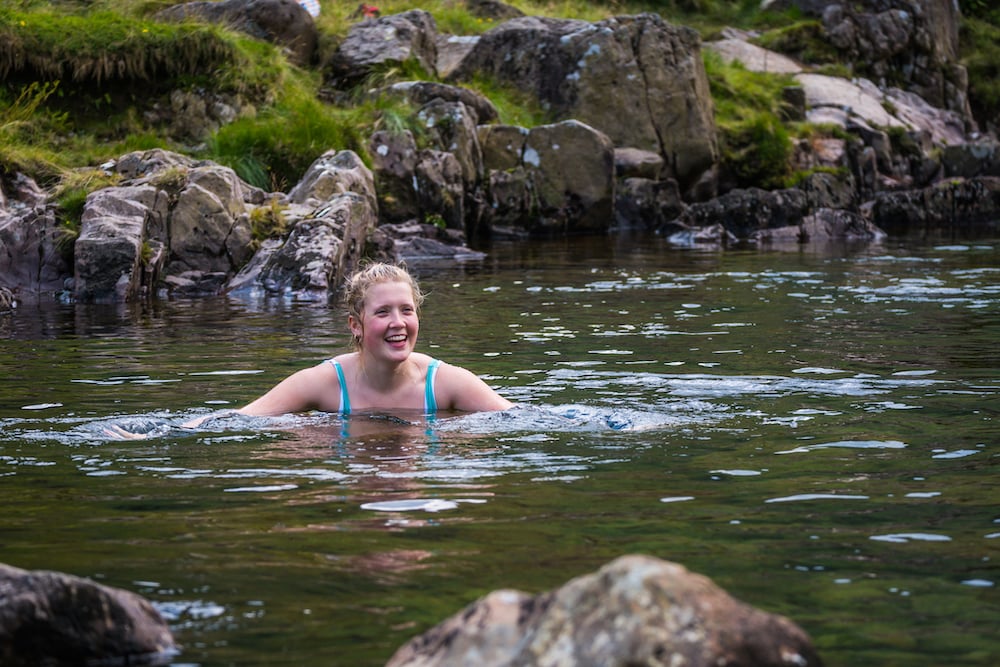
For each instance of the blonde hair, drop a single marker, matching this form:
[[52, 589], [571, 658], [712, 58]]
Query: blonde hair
[[357, 286]]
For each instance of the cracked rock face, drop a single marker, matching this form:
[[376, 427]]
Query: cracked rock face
[[637, 79]]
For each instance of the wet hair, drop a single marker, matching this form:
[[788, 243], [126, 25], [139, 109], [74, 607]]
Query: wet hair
[[357, 286]]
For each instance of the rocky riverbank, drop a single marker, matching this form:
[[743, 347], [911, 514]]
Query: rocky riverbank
[[634, 146], [635, 610]]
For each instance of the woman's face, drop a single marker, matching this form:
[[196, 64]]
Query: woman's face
[[389, 323]]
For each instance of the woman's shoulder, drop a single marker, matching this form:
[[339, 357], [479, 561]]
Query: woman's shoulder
[[348, 359], [451, 375], [458, 388]]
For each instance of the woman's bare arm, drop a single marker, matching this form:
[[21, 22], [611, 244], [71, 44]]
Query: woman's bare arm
[[459, 389], [307, 389]]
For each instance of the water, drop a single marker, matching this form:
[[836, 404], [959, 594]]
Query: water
[[816, 431]]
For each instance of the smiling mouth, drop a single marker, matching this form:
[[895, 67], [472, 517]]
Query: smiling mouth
[[398, 338]]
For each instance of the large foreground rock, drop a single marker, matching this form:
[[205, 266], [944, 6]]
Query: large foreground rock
[[636, 610], [49, 618]]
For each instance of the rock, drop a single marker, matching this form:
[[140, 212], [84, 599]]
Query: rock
[[32, 257], [282, 22], [425, 184], [714, 236], [502, 146], [512, 203], [451, 50], [20, 191], [915, 41], [753, 57], [108, 254], [636, 610], [860, 98], [8, 301], [192, 115], [826, 190], [181, 223], [643, 203], [451, 127], [436, 183], [305, 264], [319, 252], [141, 164], [944, 128], [571, 166], [440, 187], [209, 224], [981, 158], [827, 224], [633, 162], [823, 226], [862, 101], [421, 93], [551, 179], [744, 212], [492, 10], [54, 618], [394, 158], [636, 79], [420, 244], [332, 174], [953, 207], [389, 40]]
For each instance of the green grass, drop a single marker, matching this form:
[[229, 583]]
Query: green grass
[[756, 145], [980, 44], [105, 47], [274, 149], [802, 40]]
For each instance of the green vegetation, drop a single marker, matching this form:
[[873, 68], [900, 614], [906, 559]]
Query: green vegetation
[[802, 40], [267, 222], [980, 40], [274, 149], [104, 46], [80, 81], [71, 194], [756, 146]]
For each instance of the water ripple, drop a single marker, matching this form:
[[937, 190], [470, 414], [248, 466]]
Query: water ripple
[[814, 496], [849, 444]]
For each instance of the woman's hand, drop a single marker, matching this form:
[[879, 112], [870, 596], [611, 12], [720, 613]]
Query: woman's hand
[[116, 432]]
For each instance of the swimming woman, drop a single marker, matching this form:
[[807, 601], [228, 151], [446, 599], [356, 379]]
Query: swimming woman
[[383, 372]]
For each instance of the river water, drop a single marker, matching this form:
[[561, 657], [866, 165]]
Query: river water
[[816, 430]]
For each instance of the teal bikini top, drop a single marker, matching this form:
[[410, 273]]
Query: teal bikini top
[[430, 403]]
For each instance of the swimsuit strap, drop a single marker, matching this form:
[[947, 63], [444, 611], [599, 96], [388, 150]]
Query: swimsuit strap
[[345, 402], [430, 402]]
